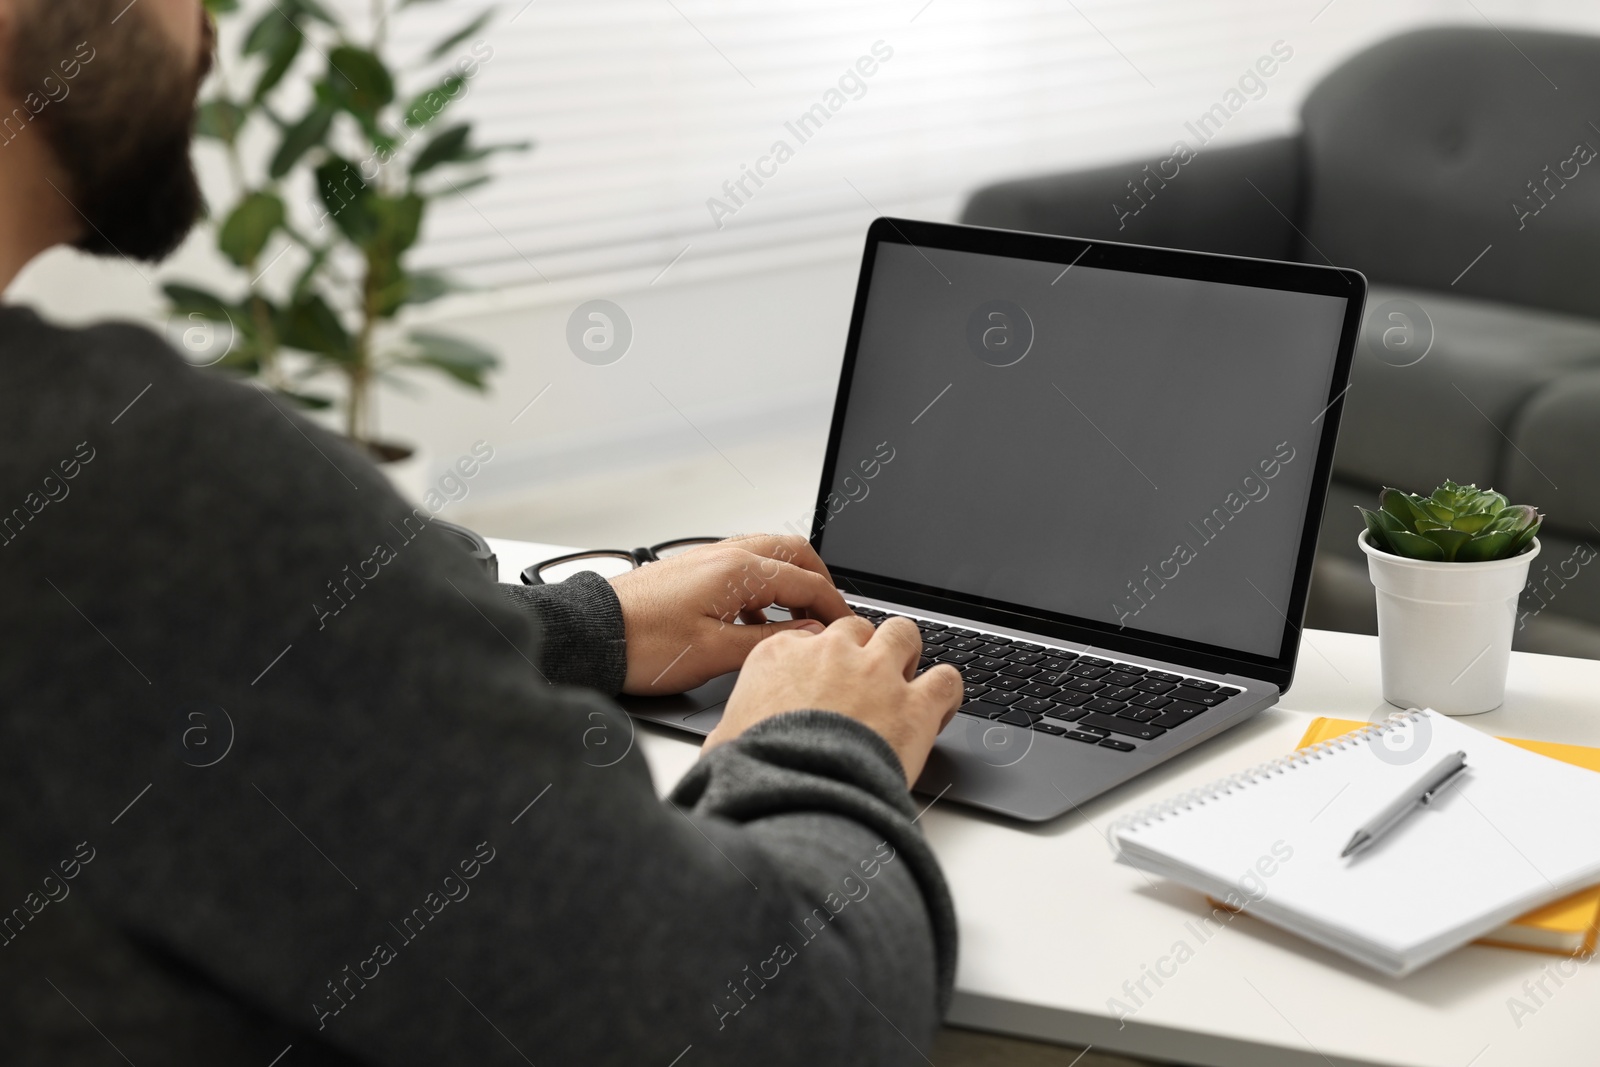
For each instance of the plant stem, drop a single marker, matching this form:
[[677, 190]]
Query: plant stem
[[267, 337], [358, 422]]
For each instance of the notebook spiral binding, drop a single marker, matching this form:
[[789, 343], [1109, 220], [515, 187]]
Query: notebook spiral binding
[[1223, 786]]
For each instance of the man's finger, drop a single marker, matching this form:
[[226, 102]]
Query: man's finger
[[727, 649], [899, 638], [766, 581], [787, 548], [854, 627], [941, 687]]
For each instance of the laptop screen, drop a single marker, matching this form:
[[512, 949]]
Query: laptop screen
[[1133, 449]]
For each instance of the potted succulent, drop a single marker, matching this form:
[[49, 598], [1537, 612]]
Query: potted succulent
[[1448, 569], [336, 156]]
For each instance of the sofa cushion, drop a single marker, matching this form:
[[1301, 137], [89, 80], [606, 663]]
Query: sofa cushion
[[1427, 148], [1554, 466], [1414, 424]]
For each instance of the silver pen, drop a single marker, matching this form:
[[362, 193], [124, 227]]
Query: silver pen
[[1417, 796]]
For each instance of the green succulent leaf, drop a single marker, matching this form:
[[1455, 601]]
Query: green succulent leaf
[[1375, 529], [1415, 546], [1473, 522], [1401, 506], [1485, 547], [1521, 515], [1438, 512], [1455, 523], [1449, 541], [1523, 539], [249, 227]]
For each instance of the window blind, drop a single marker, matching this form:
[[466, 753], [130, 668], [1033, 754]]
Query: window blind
[[672, 131]]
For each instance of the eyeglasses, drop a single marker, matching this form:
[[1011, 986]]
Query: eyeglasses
[[609, 562]]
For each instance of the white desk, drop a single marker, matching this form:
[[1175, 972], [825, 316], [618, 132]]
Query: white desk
[[1051, 928]]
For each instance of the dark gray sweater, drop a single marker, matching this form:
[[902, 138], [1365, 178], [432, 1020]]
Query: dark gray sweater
[[231, 823]]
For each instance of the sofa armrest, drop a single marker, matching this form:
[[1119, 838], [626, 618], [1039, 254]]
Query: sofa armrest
[[1551, 460], [1230, 200]]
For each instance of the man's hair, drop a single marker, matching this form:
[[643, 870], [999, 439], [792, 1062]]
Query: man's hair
[[115, 104]]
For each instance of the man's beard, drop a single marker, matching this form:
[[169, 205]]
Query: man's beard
[[122, 131]]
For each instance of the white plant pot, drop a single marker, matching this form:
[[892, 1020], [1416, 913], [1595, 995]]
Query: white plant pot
[[1444, 629]]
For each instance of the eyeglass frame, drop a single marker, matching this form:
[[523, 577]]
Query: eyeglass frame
[[639, 556]]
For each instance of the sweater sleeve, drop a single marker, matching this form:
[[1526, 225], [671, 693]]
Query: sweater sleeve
[[581, 629], [824, 762], [330, 773]]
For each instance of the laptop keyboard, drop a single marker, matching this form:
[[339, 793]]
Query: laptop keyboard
[[1092, 699]]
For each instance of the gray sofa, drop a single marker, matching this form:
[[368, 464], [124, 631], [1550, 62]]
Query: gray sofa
[[1459, 169]]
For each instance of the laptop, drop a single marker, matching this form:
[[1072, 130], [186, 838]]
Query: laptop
[[1093, 474]]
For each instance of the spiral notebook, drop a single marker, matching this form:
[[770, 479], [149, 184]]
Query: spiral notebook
[[1511, 834]]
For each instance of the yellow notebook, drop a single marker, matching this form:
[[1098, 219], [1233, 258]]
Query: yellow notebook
[[1567, 927]]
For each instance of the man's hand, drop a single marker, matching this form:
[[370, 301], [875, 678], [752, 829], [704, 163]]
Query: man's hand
[[680, 614], [869, 675]]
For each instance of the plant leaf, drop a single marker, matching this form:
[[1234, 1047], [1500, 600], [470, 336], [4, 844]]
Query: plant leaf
[[266, 31], [1449, 541], [310, 325], [464, 361], [1400, 505], [1474, 521], [300, 138], [1523, 539], [249, 227], [187, 299], [439, 50], [220, 118], [358, 81], [423, 287], [431, 103], [1485, 547], [1375, 529], [312, 9], [282, 48], [446, 147], [309, 401], [347, 198], [1414, 546]]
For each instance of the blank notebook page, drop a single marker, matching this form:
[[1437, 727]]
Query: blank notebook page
[[1514, 831]]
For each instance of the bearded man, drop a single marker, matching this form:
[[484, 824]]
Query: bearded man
[[395, 850]]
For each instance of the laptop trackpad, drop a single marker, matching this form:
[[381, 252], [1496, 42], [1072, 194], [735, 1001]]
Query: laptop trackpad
[[699, 710]]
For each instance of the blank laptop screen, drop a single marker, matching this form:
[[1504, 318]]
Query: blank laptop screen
[[1127, 448]]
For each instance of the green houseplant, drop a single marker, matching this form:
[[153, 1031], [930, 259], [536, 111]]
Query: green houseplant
[[1448, 569], [1455, 524], [332, 187]]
